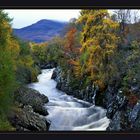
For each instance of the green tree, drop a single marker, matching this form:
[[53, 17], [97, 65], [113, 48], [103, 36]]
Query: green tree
[[27, 69], [7, 64]]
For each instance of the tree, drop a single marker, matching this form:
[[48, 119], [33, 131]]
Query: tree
[[72, 45], [126, 19], [39, 52], [54, 50], [99, 41], [7, 62]]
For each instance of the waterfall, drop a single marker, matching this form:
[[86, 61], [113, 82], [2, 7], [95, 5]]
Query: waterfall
[[95, 89], [67, 112]]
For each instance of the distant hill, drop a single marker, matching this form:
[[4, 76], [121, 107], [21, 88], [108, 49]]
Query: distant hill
[[40, 31]]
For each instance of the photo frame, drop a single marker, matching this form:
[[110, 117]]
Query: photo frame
[[59, 5]]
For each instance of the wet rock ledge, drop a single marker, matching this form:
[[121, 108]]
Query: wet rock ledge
[[29, 113], [122, 110]]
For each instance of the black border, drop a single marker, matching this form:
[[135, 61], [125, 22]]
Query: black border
[[70, 136], [70, 4]]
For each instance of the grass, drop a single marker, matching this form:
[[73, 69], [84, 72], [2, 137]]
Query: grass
[[5, 124]]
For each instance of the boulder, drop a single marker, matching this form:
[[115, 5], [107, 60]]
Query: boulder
[[54, 75], [57, 74], [27, 96], [27, 120]]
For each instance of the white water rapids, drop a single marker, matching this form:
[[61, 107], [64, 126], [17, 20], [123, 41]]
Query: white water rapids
[[67, 112]]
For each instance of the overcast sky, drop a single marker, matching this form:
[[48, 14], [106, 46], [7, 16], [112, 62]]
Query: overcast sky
[[22, 18]]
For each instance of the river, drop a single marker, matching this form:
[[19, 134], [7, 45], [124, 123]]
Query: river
[[67, 112]]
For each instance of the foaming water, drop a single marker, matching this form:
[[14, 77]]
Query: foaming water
[[67, 112]]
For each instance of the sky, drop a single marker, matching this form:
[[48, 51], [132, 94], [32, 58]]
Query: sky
[[22, 18]]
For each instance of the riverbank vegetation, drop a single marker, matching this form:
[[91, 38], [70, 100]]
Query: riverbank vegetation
[[97, 49], [101, 49], [16, 67]]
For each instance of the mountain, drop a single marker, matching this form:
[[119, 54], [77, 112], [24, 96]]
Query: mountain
[[40, 31]]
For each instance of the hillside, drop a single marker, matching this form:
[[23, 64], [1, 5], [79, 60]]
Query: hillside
[[40, 31]]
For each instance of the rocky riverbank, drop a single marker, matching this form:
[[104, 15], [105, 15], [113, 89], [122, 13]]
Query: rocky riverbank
[[86, 94], [29, 111], [123, 112], [49, 65]]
